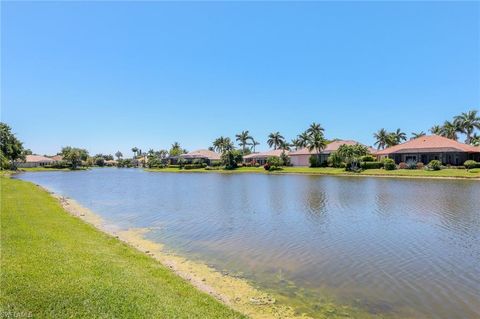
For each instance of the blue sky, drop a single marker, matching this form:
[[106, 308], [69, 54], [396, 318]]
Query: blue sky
[[109, 76]]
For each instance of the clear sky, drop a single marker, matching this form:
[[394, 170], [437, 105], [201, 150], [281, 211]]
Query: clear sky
[[109, 76]]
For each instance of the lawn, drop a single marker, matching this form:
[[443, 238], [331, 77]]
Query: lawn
[[55, 265], [449, 172]]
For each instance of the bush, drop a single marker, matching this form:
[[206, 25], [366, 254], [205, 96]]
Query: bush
[[273, 163], [389, 164], [266, 167], [435, 165], [471, 164], [194, 166], [420, 165], [371, 165], [215, 163], [411, 165], [285, 159], [367, 158], [314, 161], [334, 160], [173, 166], [402, 165]]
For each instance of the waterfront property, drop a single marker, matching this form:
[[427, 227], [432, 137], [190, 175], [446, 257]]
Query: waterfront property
[[431, 147], [301, 157], [207, 156], [35, 161], [261, 157]]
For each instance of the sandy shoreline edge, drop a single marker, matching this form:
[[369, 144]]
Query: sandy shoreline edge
[[234, 292]]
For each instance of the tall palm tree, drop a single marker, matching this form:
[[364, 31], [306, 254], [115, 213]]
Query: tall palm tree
[[222, 144], [475, 141], [243, 139], [134, 150], [398, 136], [303, 139], [175, 145], [119, 155], [436, 130], [276, 140], [467, 123], [315, 128], [253, 143], [317, 142], [382, 138], [450, 130], [417, 135], [295, 142]]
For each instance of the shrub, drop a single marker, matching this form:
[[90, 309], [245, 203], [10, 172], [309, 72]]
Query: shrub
[[285, 159], [402, 165], [334, 160], [420, 165], [274, 163], [215, 163], [194, 166], [314, 161], [173, 166], [367, 158], [389, 164], [435, 165], [197, 161], [411, 165], [471, 164], [266, 167], [371, 165]]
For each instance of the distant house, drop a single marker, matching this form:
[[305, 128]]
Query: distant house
[[261, 157], [206, 156], [57, 158], [431, 147], [301, 157], [35, 161]]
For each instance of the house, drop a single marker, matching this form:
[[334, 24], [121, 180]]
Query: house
[[35, 161], [431, 147], [301, 157], [57, 158], [261, 157], [207, 156]]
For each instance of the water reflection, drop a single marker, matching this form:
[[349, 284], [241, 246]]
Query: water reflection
[[393, 247]]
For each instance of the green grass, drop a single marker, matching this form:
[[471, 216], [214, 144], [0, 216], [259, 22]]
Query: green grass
[[449, 172], [55, 265]]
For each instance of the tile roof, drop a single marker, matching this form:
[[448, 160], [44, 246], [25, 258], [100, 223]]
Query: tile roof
[[211, 155], [331, 147], [429, 144], [265, 154], [37, 159]]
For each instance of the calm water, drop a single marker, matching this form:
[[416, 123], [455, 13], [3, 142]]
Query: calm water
[[391, 247]]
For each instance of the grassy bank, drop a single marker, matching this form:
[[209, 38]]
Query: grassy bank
[[444, 173], [55, 265]]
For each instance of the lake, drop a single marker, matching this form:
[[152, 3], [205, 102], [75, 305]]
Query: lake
[[399, 248]]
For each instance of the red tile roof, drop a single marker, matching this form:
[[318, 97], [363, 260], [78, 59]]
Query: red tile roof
[[265, 154], [429, 144], [211, 155], [38, 159], [331, 147]]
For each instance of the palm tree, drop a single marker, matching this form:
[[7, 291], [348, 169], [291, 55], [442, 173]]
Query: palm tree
[[222, 144], [436, 130], [134, 150], [475, 141], [303, 139], [398, 136], [151, 152], [243, 139], [314, 129], [295, 142], [467, 123], [450, 130], [253, 144], [382, 138], [119, 155], [417, 135], [317, 142], [275, 140]]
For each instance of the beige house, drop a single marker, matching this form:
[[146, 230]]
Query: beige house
[[35, 161], [205, 155], [431, 147], [261, 157], [301, 157]]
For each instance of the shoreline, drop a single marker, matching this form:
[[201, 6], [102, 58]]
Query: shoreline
[[234, 292], [306, 173]]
